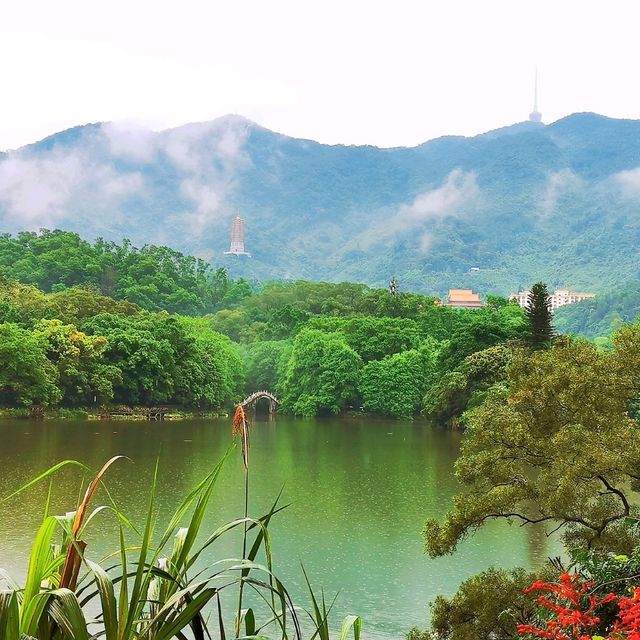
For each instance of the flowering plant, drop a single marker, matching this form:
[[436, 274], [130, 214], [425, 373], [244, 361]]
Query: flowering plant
[[575, 610]]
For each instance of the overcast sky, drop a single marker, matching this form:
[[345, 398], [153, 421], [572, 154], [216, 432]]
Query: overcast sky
[[338, 71]]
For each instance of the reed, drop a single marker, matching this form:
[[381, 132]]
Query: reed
[[159, 585]]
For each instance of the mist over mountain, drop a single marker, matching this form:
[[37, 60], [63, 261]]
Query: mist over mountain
[[558, 202]]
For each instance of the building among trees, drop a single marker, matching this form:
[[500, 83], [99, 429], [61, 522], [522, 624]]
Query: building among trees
[[558, 298], [463, 299]]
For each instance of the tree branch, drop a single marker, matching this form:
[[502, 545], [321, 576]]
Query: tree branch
[[611, 489]]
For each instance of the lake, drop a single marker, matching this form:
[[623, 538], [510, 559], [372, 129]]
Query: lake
[[360, 491]]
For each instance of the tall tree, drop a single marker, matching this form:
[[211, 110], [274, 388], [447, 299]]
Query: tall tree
[[322, 374], [538, 313], [26, 376], [558, 447], [395, 385], [83, 377]]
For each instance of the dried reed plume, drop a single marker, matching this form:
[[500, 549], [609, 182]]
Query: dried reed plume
[[241, 427]]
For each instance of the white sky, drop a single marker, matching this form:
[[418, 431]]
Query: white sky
[[388, 73]]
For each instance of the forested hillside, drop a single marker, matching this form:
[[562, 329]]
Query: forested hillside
[[556, 202], [175, 331], [155, 277], [602, 316]]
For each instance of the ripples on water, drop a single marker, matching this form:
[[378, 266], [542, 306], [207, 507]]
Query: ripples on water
[[359, 490]]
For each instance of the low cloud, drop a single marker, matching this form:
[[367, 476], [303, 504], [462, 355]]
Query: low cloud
[[45, 190], [130, 141], [458, 190], [458, 194], [208, 157], [558, 184], [629, 183], [95, 177]]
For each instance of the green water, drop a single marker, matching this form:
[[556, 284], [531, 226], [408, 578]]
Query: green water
[[359, 491]]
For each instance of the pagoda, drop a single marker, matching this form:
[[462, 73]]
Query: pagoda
[[237, 239]]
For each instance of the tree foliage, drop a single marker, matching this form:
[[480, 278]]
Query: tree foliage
[[322, 374], [558, 447], [83, 377], [538, 312], [103, 292], [394, 386], [486, 328], [156, 278], [26, 375], [487, 606], [163, 359], [266, 364], [467, 385]]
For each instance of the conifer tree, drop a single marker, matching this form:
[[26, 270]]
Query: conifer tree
[[538, 314]]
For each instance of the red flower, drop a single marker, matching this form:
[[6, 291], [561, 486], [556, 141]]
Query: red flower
[[629, 617], [574, 608]]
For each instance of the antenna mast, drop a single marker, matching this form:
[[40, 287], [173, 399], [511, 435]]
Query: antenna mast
[[535, 115]]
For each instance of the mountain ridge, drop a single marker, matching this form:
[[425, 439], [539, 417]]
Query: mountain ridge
[[530, 201]]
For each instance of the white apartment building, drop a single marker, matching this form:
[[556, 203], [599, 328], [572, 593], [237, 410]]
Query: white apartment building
[[558, 298]]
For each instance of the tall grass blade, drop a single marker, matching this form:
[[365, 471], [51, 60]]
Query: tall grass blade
[[9, 615], [171, 626], [71, 568], [32, 615], [351, 623], [197, 517], [179, 514], [223, 635], [107, 600], [67, 614], [123, 596], [39, 560], [249, 622], [43, 475], [140, 585]]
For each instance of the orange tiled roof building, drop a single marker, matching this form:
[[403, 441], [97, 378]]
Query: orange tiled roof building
[[463, 299]]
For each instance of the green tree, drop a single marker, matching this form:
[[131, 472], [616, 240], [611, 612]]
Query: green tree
[[488, 606], [467, 385], [539, 316], [485, 328], [371, 337], [285, 322], [236, 324], [267, 364], [145, 357], [558, 447], [394, 386], [322, 374], [26, 376], [154, 277], [237, 292], [76, 304], [82, 375], [221, 363]]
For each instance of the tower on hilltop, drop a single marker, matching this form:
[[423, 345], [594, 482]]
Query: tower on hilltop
[[535, 115], [237, 239]]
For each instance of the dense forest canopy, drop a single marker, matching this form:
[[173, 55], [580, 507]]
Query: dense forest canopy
[[104, 323], [140, 323], [603, 315], [155, 277]]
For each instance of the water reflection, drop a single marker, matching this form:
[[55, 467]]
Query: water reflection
[[359, 491]]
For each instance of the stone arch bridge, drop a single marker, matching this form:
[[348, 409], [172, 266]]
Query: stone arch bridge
[[251, 400]]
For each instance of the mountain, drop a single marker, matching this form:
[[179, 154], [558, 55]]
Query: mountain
[[557, 202]]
